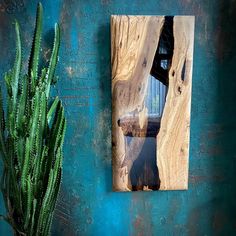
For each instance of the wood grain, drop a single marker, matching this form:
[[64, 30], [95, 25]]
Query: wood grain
[[173, 137], [134, 41]]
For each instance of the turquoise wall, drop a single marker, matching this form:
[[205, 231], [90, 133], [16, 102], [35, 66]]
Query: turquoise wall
[[87, 206]]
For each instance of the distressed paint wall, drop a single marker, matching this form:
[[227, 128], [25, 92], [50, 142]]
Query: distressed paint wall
[[86, 205]]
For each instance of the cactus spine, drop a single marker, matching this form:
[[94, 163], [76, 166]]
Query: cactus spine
[[31, 139]]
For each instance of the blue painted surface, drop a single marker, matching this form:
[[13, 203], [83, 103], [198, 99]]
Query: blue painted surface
[[87, 206]]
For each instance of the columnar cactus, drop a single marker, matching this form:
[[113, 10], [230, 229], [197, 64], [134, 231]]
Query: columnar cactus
[[31, 139]]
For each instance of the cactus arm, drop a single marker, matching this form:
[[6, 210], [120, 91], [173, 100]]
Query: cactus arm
[[17, 65], [55, 133], [21, 106], [35, 51], [58, 136], [14, 193], [35, 115], [25, 166], [48, 224], [43, 210], [40, 128], [33, 217], [52, 109], [38, 172], [53, 59], [28, 202], [50, 195]]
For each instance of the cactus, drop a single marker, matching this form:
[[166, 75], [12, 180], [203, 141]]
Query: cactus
[[32, 131]]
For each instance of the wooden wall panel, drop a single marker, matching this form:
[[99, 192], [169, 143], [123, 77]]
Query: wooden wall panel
[[134, 43]]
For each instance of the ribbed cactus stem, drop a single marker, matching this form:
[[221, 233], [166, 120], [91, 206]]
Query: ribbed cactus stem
[[32, 130]]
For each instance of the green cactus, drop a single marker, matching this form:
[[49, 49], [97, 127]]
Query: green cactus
[[31, 140]]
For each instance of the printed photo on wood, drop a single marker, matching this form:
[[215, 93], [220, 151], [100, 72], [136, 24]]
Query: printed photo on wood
[[151, 59]]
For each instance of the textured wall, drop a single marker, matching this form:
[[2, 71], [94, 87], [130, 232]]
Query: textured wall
[[86, 205]]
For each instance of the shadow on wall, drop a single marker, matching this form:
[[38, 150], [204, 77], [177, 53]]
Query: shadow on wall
[[224, 205], [104, 72], [219, 135]]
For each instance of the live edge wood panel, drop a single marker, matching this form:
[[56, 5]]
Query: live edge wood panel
[[134, 42]]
